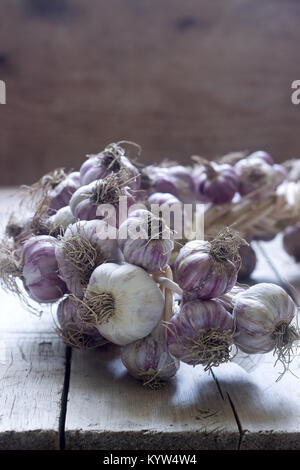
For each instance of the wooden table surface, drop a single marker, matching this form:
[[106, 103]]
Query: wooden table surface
[[53, 397]]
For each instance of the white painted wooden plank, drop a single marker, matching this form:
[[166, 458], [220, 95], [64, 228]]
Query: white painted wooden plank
[[268, 411], [108, 409]]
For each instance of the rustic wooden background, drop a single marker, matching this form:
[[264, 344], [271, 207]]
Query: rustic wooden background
[[179, 77]]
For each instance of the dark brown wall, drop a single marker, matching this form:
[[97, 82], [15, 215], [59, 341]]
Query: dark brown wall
[[179, 77]]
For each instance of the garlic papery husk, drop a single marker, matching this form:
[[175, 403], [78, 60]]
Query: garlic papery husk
[[248, 262], [123, 302], [81, 249], [72, 328], [201, 333], [60, 196], [40, 269], [208, 269], [263, 316], [146, 242], [59, 221], [228, 299], [111, 160], [217, 183], [149, 360], [87, 200], [258, 177], [291, 241]]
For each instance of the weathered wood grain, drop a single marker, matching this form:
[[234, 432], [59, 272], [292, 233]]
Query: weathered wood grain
[[267, 411], [32, 369], [177, 77], [108, 409]]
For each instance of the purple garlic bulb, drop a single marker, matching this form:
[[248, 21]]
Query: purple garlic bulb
[[146, 241], [291, 241], [74, 330], [87, 200], [176, 180], [258, 177], [40, 270], [60, 196], [248, 262], [111, 160], [217, 183], [81, 249], [149, 360], [201, 333], [206, 270], [263, 315], [169, 207]]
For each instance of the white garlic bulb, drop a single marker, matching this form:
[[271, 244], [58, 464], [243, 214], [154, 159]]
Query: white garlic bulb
[[126, 303], [263, 315]]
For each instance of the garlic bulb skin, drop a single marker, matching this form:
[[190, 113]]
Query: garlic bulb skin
[[151, 251], [60, 196], [148, 359], [81, 250], [126, 301], [40, 270], [194, 333], [263, 155], [258, 312], [201, 274]]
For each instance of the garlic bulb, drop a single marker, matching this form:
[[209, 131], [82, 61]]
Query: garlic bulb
[[60, 196], [149, 360], [217, 183], [59, 221], [176, 180], [146, 242], [168, 207], [258, 177], [111, 160], [72, 328], [40, 269], [263, 315], [126, 303], [248, 262], [291, 241], [201, 333], [81, 250], [87, 199], [205, 269]]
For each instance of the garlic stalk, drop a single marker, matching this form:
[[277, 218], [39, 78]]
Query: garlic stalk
[[123, 302]]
